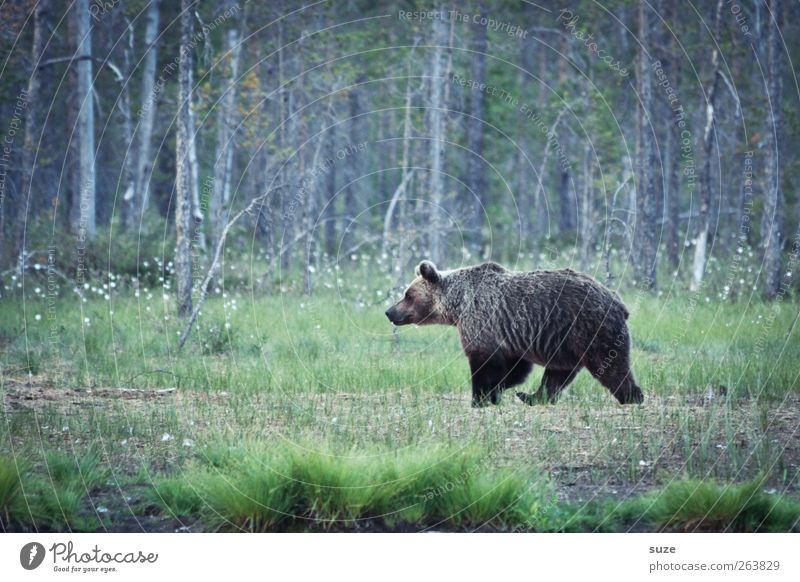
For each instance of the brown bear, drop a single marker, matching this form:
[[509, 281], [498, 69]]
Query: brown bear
[[508, 321]]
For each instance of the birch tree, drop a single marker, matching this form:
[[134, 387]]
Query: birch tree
[[645, 251], [223, 162], [772, 223], [704, 179], [476, 169], [183, 206], [436, 129], [147, 110], [87, 222]]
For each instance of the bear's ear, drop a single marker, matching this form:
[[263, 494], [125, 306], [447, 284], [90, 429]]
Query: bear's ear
[[428, 272]]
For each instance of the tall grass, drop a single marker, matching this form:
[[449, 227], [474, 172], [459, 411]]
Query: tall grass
[[709, 506], [260, 489], [388, 415], [12, 504], [52, 496], [293, 488]]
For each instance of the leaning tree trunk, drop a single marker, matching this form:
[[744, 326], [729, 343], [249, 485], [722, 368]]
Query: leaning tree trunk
[[772, 222], [645, 251], [704, 180], [147, 112], [87, 226], [183, 206], [436, 128]]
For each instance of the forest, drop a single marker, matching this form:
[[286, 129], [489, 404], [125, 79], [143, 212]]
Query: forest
[[206, 207]]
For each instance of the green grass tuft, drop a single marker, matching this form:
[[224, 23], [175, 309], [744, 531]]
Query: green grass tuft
[[708, 506], [13, 512], [295, 487]]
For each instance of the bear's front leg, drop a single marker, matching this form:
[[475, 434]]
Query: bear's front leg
[[488, 374]]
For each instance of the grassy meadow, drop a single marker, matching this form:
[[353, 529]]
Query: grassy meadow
[[287, 412]]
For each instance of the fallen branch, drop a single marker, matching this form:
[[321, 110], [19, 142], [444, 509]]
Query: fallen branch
[[212, 269]]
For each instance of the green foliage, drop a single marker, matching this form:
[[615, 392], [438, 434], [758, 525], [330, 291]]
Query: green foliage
[[13, 512], [53, 496], [268, 488], [276, 488], [57, 500], [708, 506], [387, 413]]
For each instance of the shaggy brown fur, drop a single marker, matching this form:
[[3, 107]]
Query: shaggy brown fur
[[508, 321]]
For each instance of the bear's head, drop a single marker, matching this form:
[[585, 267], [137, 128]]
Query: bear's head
[[422, 302]]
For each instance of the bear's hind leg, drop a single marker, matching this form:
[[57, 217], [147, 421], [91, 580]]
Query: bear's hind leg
[[620, 382], [553, 382]]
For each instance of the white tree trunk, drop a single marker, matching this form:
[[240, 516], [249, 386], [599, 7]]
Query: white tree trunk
[[87, 226], [147, 110], [436, 121], [645, 248], [704, 181], [183, 206], [127, 203], [772, 223], [223, 164], [198, 235]]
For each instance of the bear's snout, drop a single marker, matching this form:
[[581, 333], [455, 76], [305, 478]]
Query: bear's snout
[[396, 315]]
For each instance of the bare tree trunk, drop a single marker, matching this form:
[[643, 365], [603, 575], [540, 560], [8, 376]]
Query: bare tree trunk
[[284, 110], [772, 220], [566, 198], [646, 250], [72, 179], [540, 198], [701, 241], [436, 125], [540, 206], [14, 225], [586, 202], [567, 204], [400, 192], [523, 181], [330, 208], [476, 169], [198, 235], [353, 194], [183, 206], [127, 207], [147, 111], [672, 156], [87, 227]]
